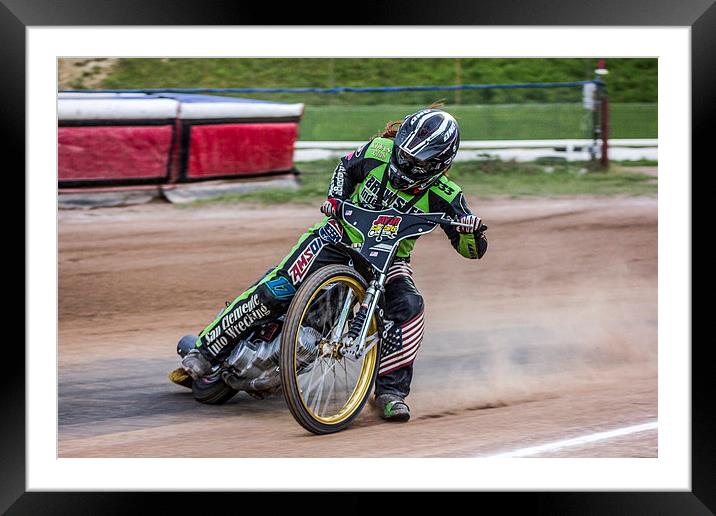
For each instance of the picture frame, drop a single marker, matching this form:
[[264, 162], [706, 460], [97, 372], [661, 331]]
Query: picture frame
[[17, 15]]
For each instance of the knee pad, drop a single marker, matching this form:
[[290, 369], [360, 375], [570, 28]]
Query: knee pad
[[404, 307], [414, 305]]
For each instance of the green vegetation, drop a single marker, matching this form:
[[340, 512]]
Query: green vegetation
[[636, 163], [492, 114], [492, 122], [548, 178], [629, 80], [484, 179]]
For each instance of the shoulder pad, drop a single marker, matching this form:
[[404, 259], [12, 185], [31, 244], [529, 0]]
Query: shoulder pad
[[380, 149], [446, 189]]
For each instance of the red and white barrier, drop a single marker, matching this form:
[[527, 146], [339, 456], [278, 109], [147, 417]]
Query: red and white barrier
[[95, 108], [114, 139], [222, 150], [228, 137], [111, 154]]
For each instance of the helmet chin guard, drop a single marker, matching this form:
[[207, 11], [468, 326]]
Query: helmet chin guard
[[404, 182]]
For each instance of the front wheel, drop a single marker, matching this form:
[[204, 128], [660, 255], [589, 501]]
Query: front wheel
[[324, 390]]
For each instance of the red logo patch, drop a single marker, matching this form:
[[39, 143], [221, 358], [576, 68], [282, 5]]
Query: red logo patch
[[300, 266], [384, 226]]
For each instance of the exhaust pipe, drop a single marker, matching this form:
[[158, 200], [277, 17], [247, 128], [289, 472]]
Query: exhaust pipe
[[262, 383]]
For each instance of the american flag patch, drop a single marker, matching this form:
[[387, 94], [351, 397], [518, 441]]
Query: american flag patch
[[397, 270], [400, 345]]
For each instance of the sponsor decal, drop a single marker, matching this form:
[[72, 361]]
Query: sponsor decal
[[281, 287], [298, 268], [391, 199], [236, 322], [417, 116], [445, 188], [331, 231], [449, 132], [384, 226], [360, 149], [338, 178], [381, 147], [380, 151]]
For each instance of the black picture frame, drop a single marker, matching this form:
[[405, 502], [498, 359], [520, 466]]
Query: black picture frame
[[700, 15]]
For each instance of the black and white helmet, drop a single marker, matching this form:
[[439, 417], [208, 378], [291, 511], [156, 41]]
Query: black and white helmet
[[425, 146]]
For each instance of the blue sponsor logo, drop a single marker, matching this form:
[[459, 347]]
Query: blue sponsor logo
[[281, 287]]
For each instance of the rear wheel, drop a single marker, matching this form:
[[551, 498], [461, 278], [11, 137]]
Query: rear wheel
[[212, 390], [324, 390]]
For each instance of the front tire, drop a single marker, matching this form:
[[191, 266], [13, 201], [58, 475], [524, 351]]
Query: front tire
[[310, 373]]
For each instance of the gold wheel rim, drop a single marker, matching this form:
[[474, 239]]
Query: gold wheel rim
[[369, 360]]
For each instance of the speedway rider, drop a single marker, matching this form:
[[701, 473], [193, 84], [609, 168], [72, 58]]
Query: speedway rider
[[405, 168]]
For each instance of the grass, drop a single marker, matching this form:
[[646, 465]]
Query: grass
[[495, 178], [484, 179], [637, 163], [491, 122], [491, 114], [629, 80]]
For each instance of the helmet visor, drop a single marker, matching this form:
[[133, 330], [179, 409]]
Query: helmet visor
[[420, 169]]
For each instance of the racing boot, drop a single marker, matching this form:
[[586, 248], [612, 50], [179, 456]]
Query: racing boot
[[194, 364], [180, 377], [392, 407]]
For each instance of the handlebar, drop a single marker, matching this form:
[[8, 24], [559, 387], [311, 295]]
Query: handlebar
[[444, 220], [441, 219]]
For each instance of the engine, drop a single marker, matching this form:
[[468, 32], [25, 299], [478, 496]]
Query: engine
[[253, 363]]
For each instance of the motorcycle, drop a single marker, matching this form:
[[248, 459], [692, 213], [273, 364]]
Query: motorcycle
[[324, 352]]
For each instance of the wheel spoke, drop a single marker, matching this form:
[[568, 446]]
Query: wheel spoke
[[330, 393], [312, 375], [317, 394]]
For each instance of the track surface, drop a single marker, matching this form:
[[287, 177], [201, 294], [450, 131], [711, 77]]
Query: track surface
[[553, 335]]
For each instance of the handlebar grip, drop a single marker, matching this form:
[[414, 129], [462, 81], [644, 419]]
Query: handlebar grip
[[458, 224], [482, 227]]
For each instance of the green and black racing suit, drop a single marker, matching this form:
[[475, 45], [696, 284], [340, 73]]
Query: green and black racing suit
[[361, 176]]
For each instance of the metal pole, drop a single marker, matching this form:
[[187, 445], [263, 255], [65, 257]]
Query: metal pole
[[604, 162], [458, 80], [601, 72]]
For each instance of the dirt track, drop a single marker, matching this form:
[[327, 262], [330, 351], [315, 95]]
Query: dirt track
[[552, 335]]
